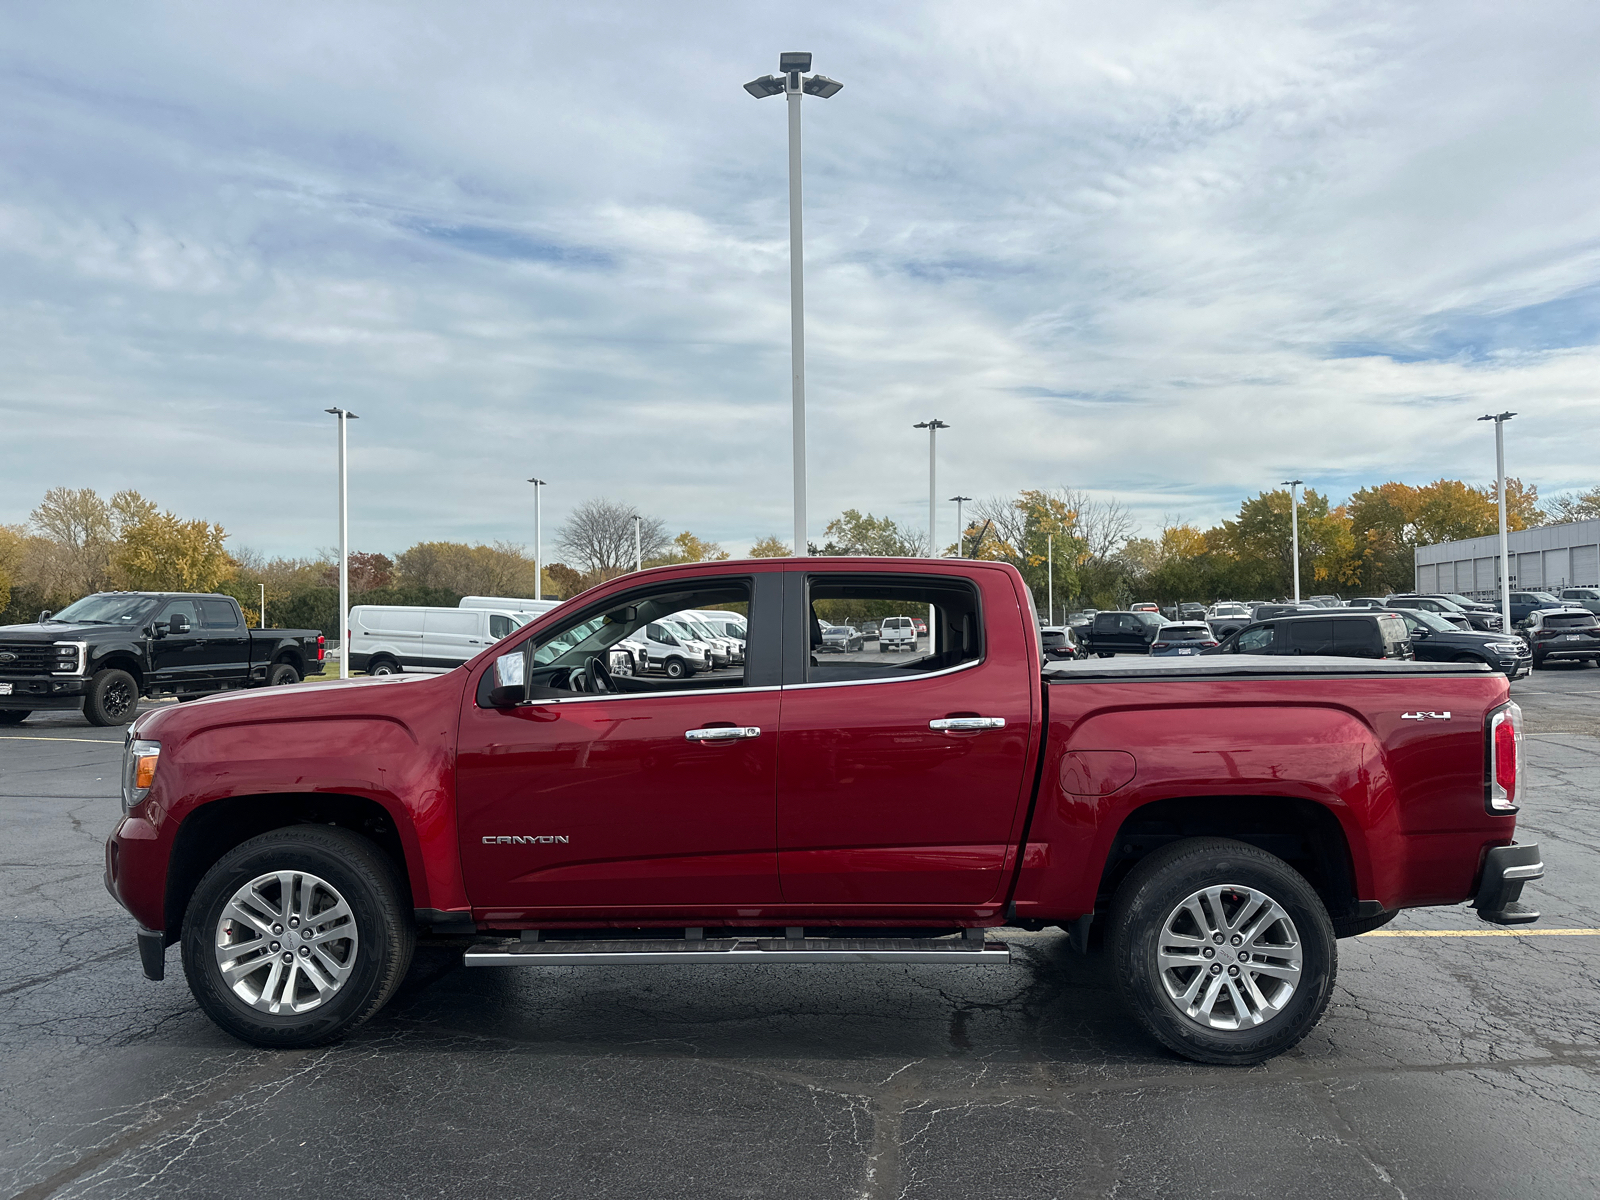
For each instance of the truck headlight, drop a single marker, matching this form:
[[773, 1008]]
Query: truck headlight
[[139, 759], [70, 658]]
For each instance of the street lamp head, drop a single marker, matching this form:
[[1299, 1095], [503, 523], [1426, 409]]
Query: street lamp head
[[339, 412], [933, 424], [1506, 416], [767, 85], [961, 498], [537, 482], [1293, 482], [821, 86], [795, 60]]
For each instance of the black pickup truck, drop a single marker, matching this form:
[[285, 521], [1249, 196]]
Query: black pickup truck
[[101, 653]]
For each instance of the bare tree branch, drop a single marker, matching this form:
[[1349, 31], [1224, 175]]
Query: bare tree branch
[[599, 535]]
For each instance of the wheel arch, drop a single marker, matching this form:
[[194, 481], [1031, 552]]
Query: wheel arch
[[121, 660], [1306, 834], [213, 829]]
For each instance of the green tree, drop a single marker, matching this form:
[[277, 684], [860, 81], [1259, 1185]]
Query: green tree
[[853, 533], [161, 552], [770, 547]]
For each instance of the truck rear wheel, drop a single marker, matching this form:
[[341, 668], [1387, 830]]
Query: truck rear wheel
[[281, 674], [112, 698], [296, 937], [383, 666], [1223, 952]]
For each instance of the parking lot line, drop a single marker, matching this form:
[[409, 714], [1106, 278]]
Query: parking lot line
[[1483, 933], [23, 737]]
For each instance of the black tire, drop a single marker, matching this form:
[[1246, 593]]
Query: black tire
[[383, 666], [1106, 653], [282, 674], [677, 668], [1538, 662], [112, 698], [14, 716], [369, 883], [1157, 887]]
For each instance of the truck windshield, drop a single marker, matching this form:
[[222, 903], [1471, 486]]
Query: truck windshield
[[107, 609]]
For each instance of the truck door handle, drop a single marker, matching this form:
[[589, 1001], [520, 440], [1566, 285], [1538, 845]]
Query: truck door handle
[[723, 733], [966, 724]]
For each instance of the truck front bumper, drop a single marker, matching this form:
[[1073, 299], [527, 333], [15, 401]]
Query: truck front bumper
[[1505, 870], [40, 692]]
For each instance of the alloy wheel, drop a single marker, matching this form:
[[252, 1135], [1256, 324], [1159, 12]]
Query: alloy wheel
[[286, 942], [1229, 957]]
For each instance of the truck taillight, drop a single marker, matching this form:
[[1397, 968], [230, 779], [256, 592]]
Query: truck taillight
[[1505, 758], [322, 646]]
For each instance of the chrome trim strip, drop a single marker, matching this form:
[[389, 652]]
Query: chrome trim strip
[[651, 695], [727, 953], [966, 666], [722, 733]]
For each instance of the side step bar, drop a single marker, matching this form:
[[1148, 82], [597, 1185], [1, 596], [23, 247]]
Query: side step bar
[[956, 952]]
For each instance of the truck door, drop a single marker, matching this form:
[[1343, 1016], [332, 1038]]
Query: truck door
[[660, 796], [179, 658], [901, 779], [227, 642]]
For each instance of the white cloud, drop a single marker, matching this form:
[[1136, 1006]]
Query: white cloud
[[1166, 252]]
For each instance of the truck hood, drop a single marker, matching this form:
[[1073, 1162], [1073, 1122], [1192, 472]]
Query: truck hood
[[374, 696], [57, 631]]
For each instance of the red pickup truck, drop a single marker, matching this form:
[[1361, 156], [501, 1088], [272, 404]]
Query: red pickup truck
[[1221, 821]]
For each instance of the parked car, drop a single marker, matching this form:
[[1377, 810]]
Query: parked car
[[520, 797], [922, 626], [1265, 612], [1435, 639], [1183, 638], [869, 630], [842, 639], [1112, 633], [1557, 633], [101, 653], [1058, 644], [1191, 611], [388, 639], [1226, 617], [1476, 617], [1366, 602], [1470, 606], [897, 633], [1149, 606], [1078, 619], [1524, 603], [1581, 597], [1331, 633], [1327, 600]]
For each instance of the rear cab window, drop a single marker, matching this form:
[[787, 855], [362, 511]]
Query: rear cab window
[[955, 638]]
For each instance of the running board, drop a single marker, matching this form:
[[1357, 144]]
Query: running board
[[956, 952]]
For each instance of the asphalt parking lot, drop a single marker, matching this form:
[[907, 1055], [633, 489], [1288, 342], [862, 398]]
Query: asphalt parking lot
[[1447, 1066]]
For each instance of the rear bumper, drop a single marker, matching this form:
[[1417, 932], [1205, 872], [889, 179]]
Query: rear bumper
[[1505, 870]]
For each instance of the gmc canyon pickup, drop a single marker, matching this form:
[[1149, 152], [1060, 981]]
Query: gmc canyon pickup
[[1221, 820], [101, 653]]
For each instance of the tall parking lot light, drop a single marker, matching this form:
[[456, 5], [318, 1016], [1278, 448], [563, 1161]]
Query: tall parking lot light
[[538, 559], [1294, 527], [960, 528], [790, 82], [344, 543], [638, 543], [932, 426], [1500, 489]]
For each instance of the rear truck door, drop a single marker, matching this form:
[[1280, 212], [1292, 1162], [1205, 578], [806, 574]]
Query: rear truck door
[[662, 798], [227, 641], [900, 779]]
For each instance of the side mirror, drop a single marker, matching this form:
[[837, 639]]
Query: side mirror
[[507, 695], [44, 616], [178, 625]]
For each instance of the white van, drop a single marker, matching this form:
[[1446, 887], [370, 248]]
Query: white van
[[520, 605], [386, 639], [664, 650], [728, 625]]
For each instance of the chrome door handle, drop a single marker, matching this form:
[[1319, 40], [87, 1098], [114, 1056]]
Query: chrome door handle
[[966, 724], [723, 733]]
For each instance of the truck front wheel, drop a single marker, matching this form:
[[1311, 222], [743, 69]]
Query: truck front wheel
[[112, 698], [296, 937], [1223, 952]]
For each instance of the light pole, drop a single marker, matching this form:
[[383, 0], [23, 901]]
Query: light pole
[[263, 606], [344, 418], [1500, 490], [638, 544], [1050, 577], [1294, 525], [960, 528], [538, 560], [789, 81], [932, 426]]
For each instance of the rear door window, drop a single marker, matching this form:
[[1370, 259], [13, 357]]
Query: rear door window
[[1394, 634], [1309, 637], [219, 614], [1256, 641], [1357, 639]]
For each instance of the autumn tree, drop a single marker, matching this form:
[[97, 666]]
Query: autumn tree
[[503, 569], [686, 548], [853, 533], [163, 553], [770, 546], [365, 572]]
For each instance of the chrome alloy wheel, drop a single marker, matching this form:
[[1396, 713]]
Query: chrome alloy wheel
[[1229, 957], [286, 942]]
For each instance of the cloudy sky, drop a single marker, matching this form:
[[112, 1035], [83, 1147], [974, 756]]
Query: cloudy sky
[[1171, 253]]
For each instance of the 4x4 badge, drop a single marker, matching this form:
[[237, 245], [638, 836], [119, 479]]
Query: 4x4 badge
[[1425, 716]]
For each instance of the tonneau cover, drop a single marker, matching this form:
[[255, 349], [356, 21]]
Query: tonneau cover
[[1214, 666]]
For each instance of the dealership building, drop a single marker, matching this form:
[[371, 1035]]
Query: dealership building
[[1545, 557]]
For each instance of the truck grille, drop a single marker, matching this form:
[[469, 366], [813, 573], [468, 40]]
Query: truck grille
[[26, 658]]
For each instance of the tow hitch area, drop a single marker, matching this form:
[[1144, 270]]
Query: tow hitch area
[[961, 951], [1505, 870]]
